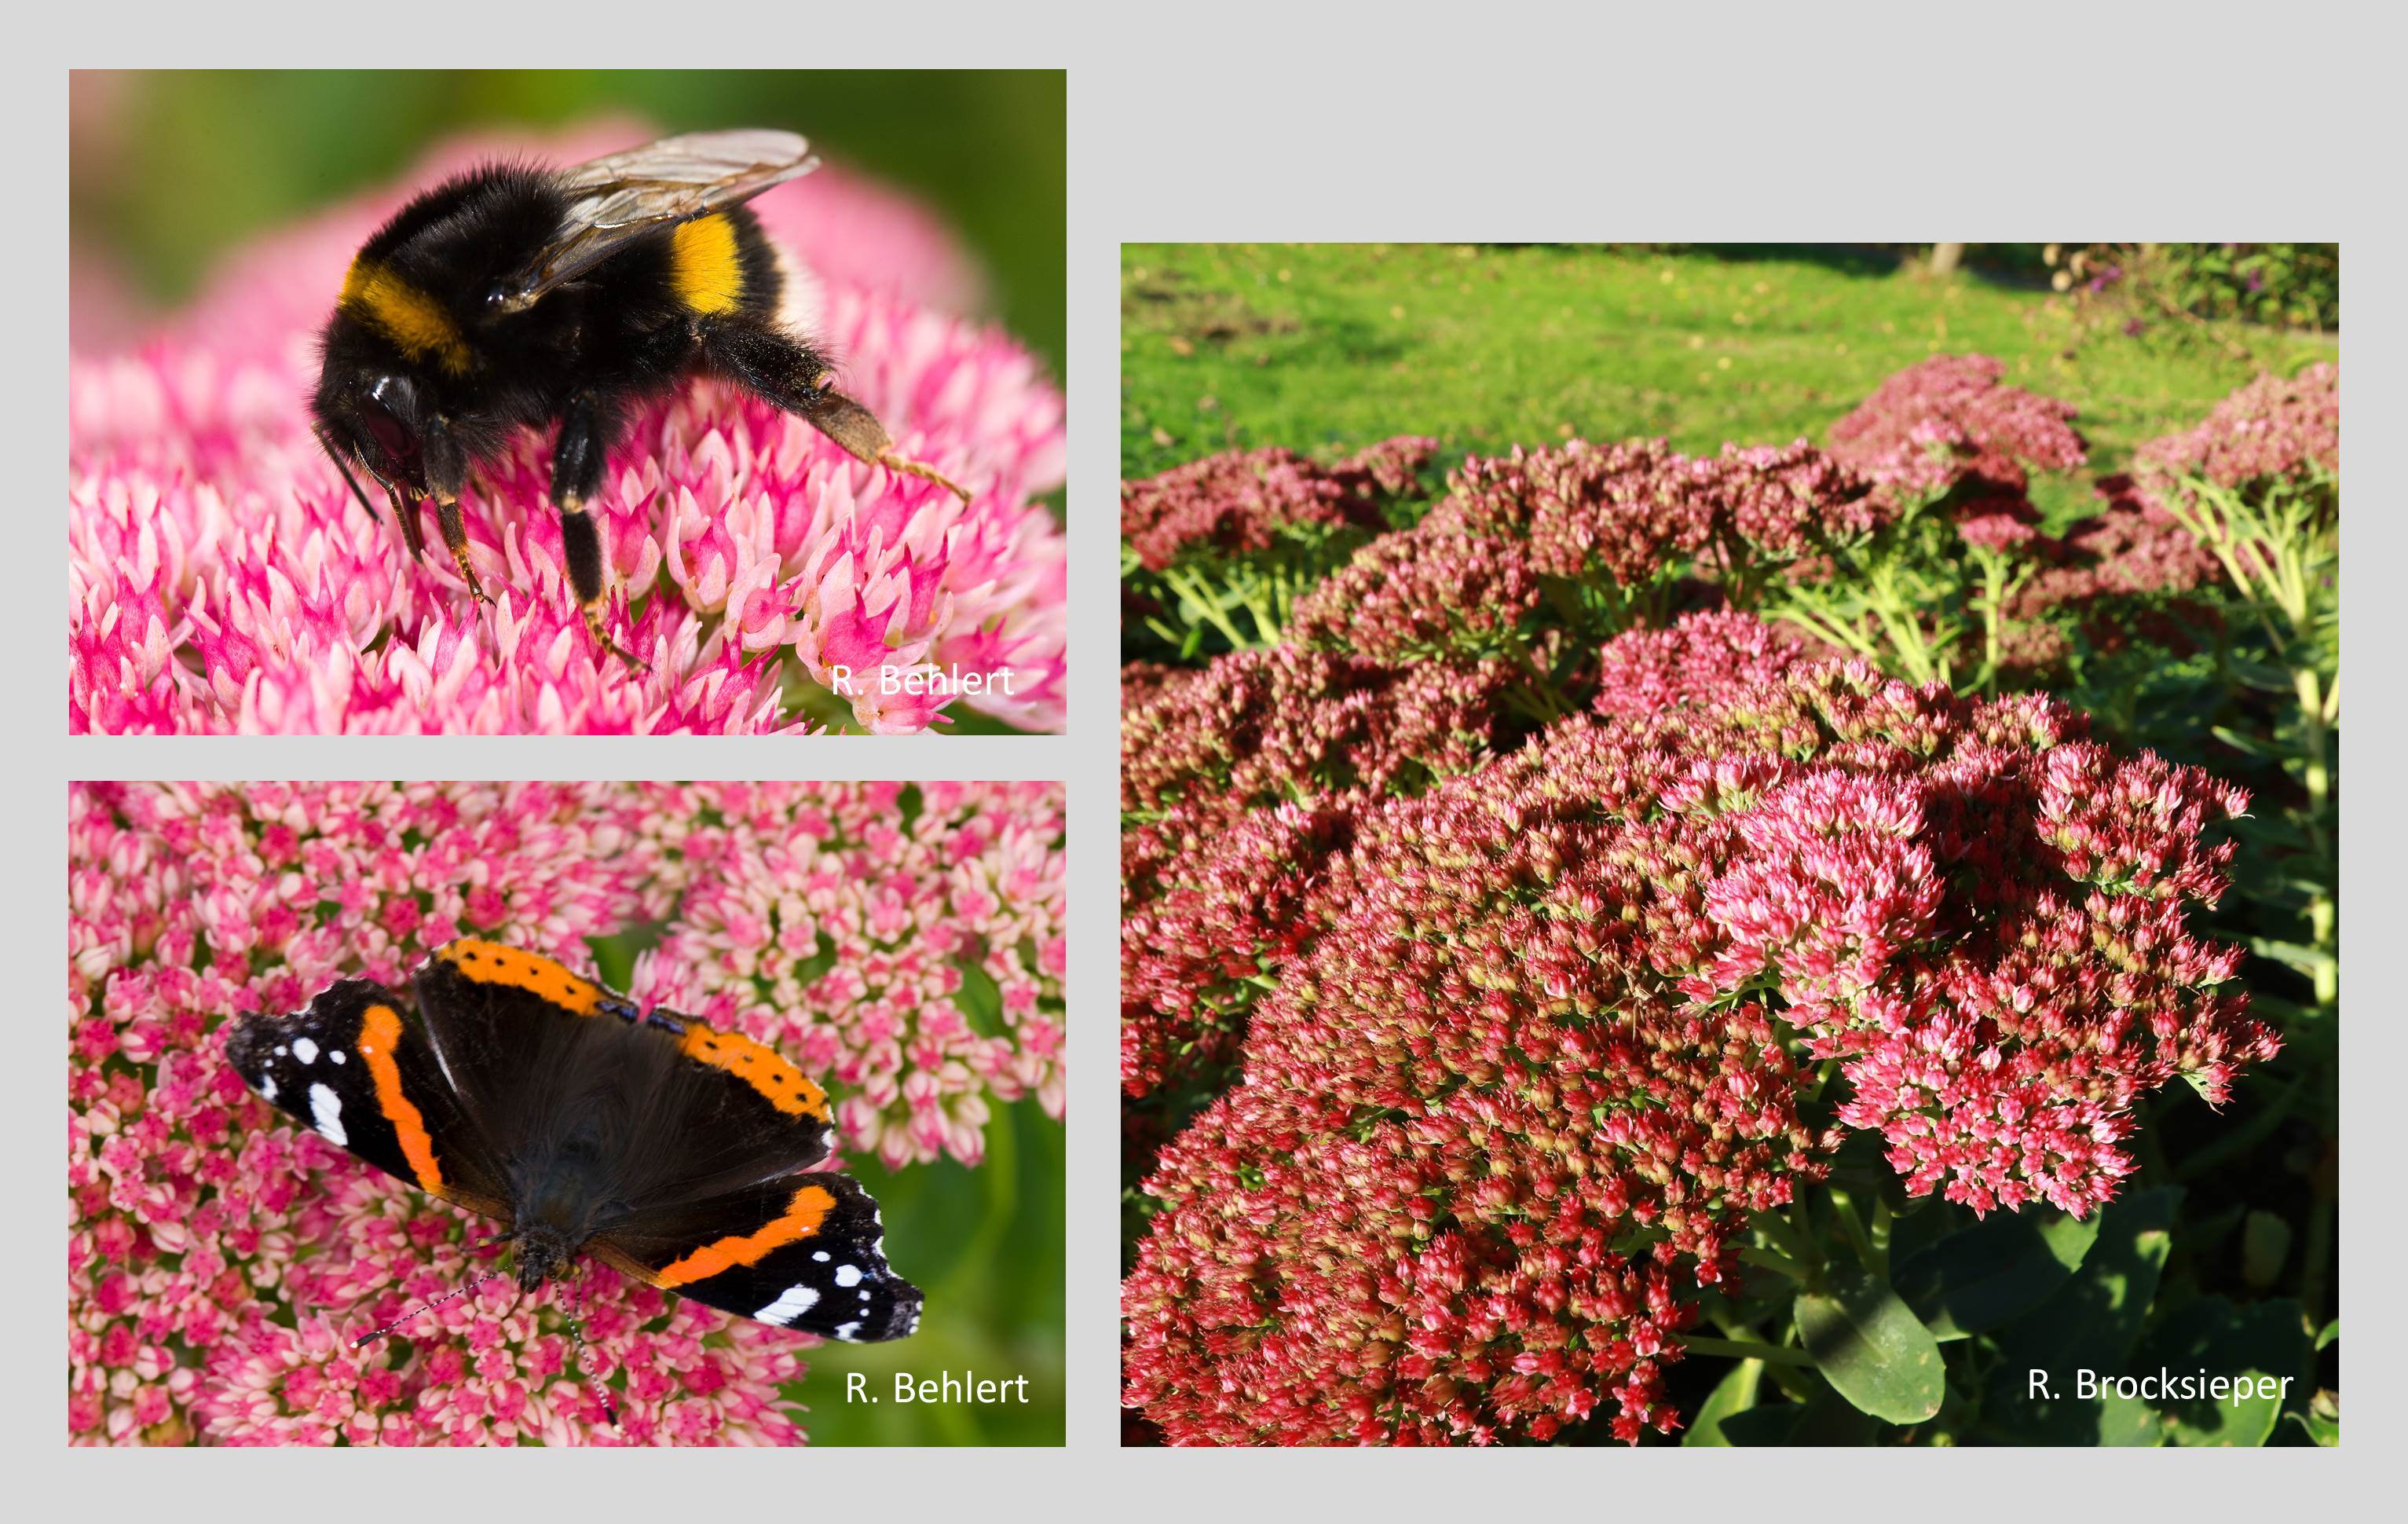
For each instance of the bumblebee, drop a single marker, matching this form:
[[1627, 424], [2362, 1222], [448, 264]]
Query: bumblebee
[[518, 296]]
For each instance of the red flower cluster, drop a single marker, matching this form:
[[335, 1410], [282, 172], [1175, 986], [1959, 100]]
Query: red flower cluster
[[1236, 780], [1422, 592], [1699, 658], [1632, 510], [1613, 524], [1533, 1061], [1241, 501], [2276, 426], [1947, 421], [2130, 546]]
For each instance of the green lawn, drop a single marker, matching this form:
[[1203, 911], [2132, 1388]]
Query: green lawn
[[1317, 347]]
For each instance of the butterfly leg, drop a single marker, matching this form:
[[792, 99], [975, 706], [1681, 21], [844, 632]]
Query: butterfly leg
[[796, 376], [585, 432]]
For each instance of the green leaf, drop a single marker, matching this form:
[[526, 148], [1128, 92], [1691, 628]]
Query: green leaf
[[2246, 744], [2259, 1345], [1979, 1278], [1873, 1349], [1825, 1421], [1733, 1395], [2324, 1429], [2305, 959], [2265, 1244], [2090, 1323], [1758, 1427], [2327, 1334]]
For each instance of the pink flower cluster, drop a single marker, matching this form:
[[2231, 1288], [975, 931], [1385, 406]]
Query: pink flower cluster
[[221, 577], [1233, 777], [1618, 523], [1948, 421], [1631, 511], [1424, 592], [1241, 501], [2131, 546], [1701, 657], [2277, 427], [220, 1261], [840, 928], [1532, 1051]]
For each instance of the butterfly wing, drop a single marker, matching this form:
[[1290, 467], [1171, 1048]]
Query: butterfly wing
[[555, 1070], [623, 197], [356, 1067], [806, 1251]]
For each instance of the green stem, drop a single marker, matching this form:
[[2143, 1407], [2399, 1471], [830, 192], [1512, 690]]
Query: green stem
[[2321, 918], [1776, 1261], [2315, 1256], [1845, 1207], [1745, 1349], [1184, 583]]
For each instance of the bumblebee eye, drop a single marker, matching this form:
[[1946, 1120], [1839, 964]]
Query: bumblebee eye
[[389, 436], [378, 412]]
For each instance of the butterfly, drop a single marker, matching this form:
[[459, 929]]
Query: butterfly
[[519, 1090]]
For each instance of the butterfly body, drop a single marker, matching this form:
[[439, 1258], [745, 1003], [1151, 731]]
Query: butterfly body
[[520, 1090]]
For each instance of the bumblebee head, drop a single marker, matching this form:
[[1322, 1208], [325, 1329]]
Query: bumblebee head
[[377, 419]]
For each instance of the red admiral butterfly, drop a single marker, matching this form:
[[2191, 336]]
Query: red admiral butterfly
[[669, 1151]]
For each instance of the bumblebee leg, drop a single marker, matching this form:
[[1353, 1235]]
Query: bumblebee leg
[[796, 377], [455, 537], [447, 472], [585, 431], [405, 513]]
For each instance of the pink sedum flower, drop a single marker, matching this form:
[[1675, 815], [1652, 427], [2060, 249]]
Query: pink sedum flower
[[1949, 420], [220, 1261], [222, 578], [1533, 1047]]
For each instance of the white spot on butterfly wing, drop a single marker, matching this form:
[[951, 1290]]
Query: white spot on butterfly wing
[[337, 1056], [851, 1331], [848, 1274], [792, 1303], [327, 1111], [267, 1086], [305, 1050], [820, 1254]]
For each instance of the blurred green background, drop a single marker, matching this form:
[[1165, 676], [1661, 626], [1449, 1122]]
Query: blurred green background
[[169, 170]]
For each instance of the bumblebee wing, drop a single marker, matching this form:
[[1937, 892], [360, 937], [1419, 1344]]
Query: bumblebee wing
[[805, 1252], [617, 199]]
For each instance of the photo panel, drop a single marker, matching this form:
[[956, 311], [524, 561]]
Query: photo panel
[[655, 402], [412, 1113], [1729, 846]]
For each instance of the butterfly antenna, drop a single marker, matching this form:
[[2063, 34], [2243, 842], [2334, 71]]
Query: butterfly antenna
[[577, 1339], [448, 1296]]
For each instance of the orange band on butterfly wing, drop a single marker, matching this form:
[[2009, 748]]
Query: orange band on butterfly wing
[[379, 1038], [759, 1065], [804, 1214], [490, 963]]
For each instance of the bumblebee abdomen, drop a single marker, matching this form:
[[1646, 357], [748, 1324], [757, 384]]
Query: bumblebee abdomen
[[723, 264]]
